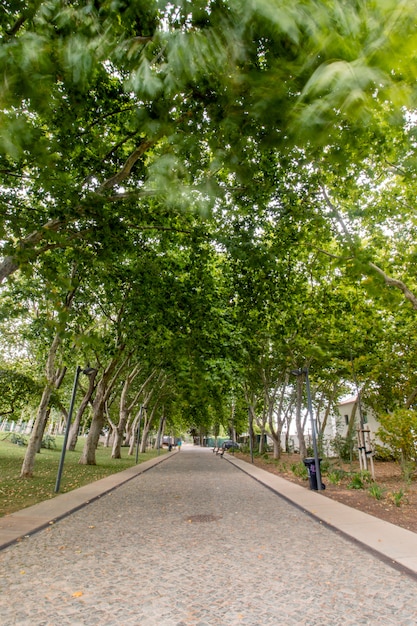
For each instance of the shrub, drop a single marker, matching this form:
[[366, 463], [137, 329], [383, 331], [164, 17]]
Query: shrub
[[397, 497], [407, 470], [359, 480], [335, 476], [325, 466], [48, 442], [382, 453], [376, 491], [299, 470], [344, 447], [398, 431], [18, 439]]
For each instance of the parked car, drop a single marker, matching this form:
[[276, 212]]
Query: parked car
[[229, 443]]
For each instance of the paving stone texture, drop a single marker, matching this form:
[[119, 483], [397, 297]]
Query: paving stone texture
[[195, 541]]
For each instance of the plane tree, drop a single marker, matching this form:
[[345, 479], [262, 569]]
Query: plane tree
[[294, 306], [116, 124]]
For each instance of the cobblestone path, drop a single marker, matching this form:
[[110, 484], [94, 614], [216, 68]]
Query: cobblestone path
[[196, 542]]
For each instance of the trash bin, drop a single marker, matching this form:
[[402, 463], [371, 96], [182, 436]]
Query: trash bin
[[310, 463]]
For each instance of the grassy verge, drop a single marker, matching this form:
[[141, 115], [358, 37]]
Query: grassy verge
[[17, 493]]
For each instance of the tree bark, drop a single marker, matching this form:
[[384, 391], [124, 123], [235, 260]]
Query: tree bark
[[103, 390], [298, 419], [73, 434], [398, 284], [36, 434], [279, 411], [158, 440], [10, 263], [88, 456], [35, 439], [133, 430], [261, 423], [145, 430], [124, 412]]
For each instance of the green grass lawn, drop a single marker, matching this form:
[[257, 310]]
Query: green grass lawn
[[17, 493]]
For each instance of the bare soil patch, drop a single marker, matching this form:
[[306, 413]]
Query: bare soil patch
[[393, 507]]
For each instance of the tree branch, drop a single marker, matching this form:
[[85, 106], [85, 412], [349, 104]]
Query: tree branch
[[398, 284], [16, 26], [337, 215], [391, 282], [10, 263], [124, 172], [339, 257]]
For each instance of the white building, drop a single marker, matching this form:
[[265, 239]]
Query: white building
[[349, 409]]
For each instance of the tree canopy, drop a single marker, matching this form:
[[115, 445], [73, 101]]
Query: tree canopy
[[218, 191]]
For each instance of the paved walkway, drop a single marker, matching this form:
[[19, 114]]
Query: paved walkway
[[196, 541]]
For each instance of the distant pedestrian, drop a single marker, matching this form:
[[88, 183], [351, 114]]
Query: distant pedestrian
[[179, 445]]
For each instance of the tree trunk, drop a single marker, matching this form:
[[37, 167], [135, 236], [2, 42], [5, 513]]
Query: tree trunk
[[118, 432], [133, 431], [275, 431], [124, 413], [88, 456], [262, 441], [104, 387], [145, 433], [160, 431], [276, 449], [279, 410], [42, 413], [128, 433], [144, 439], [36, 436], [43, 428], [261, 423], [298, 418], [352, 420], [73, 434]]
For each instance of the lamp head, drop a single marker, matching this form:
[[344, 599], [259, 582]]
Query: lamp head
[[89, 370]]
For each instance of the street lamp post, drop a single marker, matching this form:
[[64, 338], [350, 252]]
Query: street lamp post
[[299, 372], [87, 371], [64, 445]]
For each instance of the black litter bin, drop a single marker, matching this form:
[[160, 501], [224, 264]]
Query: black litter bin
[[310, 463]]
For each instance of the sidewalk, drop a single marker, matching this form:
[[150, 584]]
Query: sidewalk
[[191, 539]]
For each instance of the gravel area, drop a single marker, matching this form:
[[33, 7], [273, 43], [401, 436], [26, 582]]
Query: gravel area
[[196, 542]]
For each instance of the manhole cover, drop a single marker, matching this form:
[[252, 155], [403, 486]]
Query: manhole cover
[[192, 519]]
